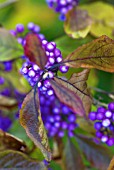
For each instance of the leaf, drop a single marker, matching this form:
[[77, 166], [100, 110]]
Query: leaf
[[67, 44], [77, 83], [111, 165], [68, 97], [97, 54], [14, 159], [8, 141], [30, 119], [78, 23], [7, 102], [9, 47], [99, 156], [34, 51], [72, 158], [103, 22]]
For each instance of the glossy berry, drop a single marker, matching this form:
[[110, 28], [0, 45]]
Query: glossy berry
[[62, 6], [104, 118]]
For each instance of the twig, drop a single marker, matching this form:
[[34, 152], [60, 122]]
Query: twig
[[109, 94]]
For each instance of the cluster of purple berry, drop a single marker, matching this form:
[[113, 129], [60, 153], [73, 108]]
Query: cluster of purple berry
[[19, 31], [62, 6], [5, 122], [104, 123], [57, 117]]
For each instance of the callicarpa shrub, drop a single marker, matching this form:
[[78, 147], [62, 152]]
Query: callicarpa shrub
[[47, 96]]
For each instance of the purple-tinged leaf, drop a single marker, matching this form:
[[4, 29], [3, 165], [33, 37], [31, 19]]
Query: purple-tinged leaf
[[99, 156], [72, 158], [97, 54], [111, 165], [68, 97], [8, 141], [30, 119], [14, 159], [34, 51], [78, 23]]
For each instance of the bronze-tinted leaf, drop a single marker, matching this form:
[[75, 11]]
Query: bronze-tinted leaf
[[15, 159], [7, 102], [97, 54], [111, 165], [77, 84], [30, 119], [8, 141], [34, 51], [72, 158], [78, 23], [68, 97], [99, 156]]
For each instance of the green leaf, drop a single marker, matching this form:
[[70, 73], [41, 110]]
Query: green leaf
[[9, 47], [102, 15], [78, 23], [111, 165], [30, 119], [99, 156], [67, 44], [8, 141], [72, 158], [68, 97], [15, 159], [97, 54]]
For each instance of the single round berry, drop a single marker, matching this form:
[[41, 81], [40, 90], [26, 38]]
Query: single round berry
[[19, 28], [92, 116], [64, 69], [111, 106], [106, 122], [98, 125]]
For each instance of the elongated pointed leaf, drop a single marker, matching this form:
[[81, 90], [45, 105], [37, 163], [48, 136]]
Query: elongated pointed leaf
[[99, 156], [111, 166], [14, 159], [77, 84], [72, 158], [68, 97], [34, 51], [9, 47], [97, 54], [8, 141], [30, 119]]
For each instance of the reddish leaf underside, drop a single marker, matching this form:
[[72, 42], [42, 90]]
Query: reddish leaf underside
[[68, 97], [97, 54], [30, 119], [34, 51]]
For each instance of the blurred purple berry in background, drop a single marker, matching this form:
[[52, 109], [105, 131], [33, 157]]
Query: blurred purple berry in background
[[62, 6]]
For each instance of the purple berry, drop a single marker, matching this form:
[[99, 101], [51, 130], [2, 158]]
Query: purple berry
[[64, 69], [106, 122], [92, 116], [19, 28], [111, 106], [98, 125]]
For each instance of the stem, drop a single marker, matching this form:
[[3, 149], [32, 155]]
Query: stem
[[109, 94]]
